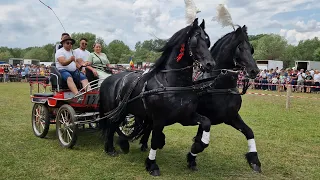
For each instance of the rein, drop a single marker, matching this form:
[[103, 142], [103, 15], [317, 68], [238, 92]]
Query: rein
[[223, 72]]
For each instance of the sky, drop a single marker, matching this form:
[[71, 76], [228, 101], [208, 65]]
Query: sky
[[25, 23]]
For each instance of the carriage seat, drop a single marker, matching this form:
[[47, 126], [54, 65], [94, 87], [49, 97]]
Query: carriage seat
[[54, 82], [53, 79]]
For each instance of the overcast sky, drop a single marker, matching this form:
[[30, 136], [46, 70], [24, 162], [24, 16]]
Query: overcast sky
[[25, 23]]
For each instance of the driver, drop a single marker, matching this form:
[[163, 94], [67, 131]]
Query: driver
[[65, 63]]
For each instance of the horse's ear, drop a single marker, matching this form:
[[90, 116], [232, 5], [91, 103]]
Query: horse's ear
[[239, 31], [195, 23], [244, 28], [202, 25]]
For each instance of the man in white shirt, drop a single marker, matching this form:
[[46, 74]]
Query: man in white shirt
[[65, 63], [300, 81], [82, 54], [58, 46]]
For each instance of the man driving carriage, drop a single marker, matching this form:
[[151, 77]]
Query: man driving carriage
[[65, 63]]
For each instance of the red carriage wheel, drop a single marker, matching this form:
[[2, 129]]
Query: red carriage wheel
[[66, 127], [40, 120]]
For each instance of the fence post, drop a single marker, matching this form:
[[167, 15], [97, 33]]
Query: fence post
[[289, 90]]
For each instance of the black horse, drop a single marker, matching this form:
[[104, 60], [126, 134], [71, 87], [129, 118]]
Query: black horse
[[163, 96], [222, 103]]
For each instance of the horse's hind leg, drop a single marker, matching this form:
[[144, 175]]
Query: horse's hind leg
[[199, 144], [252, 155], [157, 142], [109, 135]]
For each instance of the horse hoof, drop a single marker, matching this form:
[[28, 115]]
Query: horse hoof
[[253, 161], [192, 164], [255, 168], [112, 153], [124, 145], [193, 168], [155, 172]]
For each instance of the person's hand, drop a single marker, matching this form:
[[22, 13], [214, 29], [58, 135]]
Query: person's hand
[[95, 73], [72, 58], [83, 70], [87, 63]]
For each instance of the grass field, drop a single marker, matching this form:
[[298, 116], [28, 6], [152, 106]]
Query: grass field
[[288, 143]]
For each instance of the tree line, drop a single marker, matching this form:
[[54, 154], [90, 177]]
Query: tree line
[[266, 46]]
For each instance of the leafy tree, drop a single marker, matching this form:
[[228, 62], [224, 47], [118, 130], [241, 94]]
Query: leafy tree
[[289, 56], [5, 55], [270, 47], [151, 45], [17, 52], [256, 37], [118, 51], [38, 53], [306, 49], [50, 50], [316, 54]]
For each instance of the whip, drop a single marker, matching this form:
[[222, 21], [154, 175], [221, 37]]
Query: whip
[[54, 14]]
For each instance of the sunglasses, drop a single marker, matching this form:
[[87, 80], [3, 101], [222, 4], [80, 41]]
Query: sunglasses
[[84, 43], [69, 42]]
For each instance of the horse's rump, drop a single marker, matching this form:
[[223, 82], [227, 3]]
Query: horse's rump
[[116, 90]]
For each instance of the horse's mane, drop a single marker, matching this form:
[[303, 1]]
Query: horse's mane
[[172, 44]]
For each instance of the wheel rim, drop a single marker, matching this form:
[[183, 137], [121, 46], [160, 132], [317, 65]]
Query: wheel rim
[[128, 127], [65, 127], [39, 119]]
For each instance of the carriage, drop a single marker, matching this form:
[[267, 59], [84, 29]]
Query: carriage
[[67, 111]]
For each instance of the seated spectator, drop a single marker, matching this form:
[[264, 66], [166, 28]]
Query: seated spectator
[[82, 55], [59, 46], [100, 61], [65, 63]]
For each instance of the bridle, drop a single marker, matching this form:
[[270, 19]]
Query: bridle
[[192, 44]]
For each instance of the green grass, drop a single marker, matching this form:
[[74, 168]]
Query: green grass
[[288, 143]]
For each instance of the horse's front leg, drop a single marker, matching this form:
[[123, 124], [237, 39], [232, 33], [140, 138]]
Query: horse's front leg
[[199, 144], [252, 155], [157, 142], [147, 128]]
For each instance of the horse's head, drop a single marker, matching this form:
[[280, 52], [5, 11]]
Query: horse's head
[[243, 58], [198, 44], [186, 47], [233, 51]]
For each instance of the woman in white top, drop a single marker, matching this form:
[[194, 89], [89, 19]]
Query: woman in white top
[[100, 62], [316, 80]]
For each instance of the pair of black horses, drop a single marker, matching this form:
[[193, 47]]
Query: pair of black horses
[[167, 94]]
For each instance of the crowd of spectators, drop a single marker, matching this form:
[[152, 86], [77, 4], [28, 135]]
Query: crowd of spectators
[[280, 79], [20, 73]]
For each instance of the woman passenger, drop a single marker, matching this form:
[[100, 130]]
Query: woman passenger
[[99, 62]]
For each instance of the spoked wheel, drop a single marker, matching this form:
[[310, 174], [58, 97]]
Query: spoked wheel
[[66, 127], [129, 128], [40, 120]]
